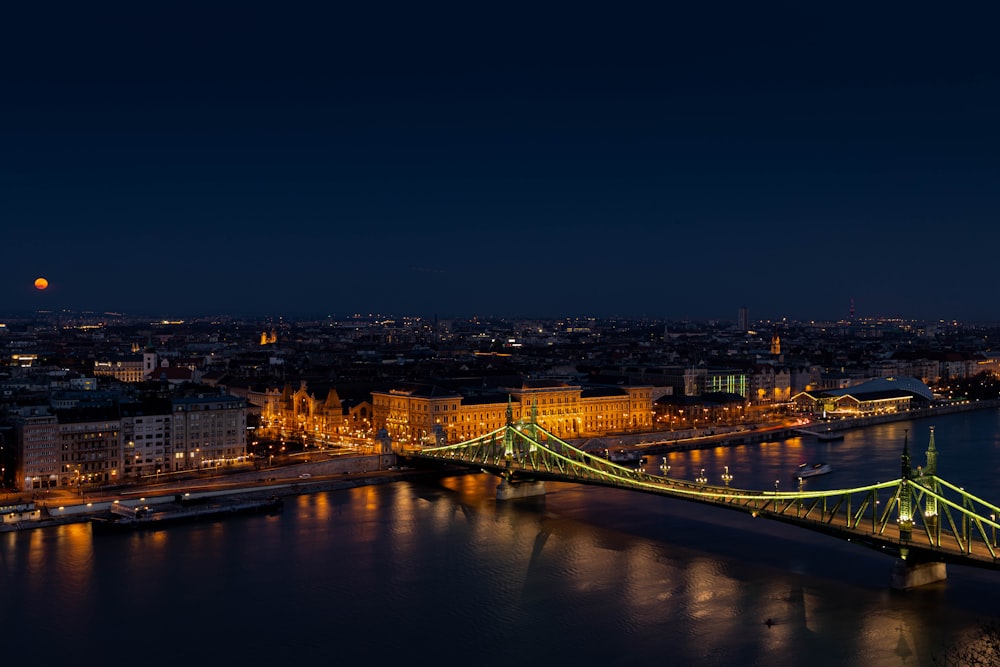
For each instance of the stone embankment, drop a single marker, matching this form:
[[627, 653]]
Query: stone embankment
[[73, 511]]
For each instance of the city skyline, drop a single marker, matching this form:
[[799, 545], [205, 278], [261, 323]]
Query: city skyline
[[670, 163]]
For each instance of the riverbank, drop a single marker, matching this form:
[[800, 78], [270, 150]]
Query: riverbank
[[72, 510], [665, 442]]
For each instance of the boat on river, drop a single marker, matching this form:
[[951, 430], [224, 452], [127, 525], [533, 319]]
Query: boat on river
[[126, 518], [626, 457], [813, 470]]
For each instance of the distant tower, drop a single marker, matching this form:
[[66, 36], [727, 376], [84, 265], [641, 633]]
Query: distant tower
[[743, 319], [776, 344], [852, 311], [148, 359]]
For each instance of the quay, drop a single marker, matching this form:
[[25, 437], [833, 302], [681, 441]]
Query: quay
[[664, 442], [57, 511]]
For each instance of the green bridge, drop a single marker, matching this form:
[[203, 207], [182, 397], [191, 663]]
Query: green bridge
[[920, 519]]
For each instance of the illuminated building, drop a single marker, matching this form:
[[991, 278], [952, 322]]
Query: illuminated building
[[879, 396], [146, 438], [66, 448], [91, 445], [89, 448], [123, 369], [134, 367], [411, 412], [37, 444], [208, 430], [313, 415]]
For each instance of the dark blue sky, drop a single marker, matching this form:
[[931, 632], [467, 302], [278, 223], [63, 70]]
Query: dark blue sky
[[502, 159]]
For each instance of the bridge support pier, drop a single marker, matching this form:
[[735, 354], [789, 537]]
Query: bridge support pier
[[508, 490], [911, 575]]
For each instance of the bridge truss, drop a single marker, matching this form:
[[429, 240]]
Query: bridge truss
[[920, 516]]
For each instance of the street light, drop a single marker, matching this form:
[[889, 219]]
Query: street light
[[701, 479], [726, 476]]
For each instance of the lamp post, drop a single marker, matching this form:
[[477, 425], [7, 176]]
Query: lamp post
[[726, 476], [701, 479]]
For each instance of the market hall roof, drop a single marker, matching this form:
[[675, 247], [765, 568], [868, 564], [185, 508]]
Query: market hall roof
[[909, 385]]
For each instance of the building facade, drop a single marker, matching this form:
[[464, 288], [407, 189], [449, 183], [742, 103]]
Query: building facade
[[207, 431], [318, 417], [411, 413], [146, 438], [37, 464]]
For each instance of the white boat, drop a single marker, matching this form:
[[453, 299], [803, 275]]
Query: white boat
[[626, 456], [813, 469]]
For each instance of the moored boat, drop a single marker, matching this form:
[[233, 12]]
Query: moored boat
[[626, 456], [813, 470]]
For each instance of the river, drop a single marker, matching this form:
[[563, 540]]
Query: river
[[439, 571]]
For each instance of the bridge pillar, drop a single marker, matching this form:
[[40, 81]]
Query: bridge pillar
[[508, 490], [911, 575]]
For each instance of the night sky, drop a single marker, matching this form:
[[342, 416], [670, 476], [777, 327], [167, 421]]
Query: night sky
[[501, 159]]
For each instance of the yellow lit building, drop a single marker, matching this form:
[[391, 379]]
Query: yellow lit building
[[879, 396], [410, 413], [126, 369], [314, 416]]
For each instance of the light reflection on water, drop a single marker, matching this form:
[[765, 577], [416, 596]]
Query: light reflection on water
[[440, 570]]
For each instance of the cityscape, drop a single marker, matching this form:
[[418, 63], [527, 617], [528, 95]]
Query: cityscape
[[552, 334], [139, 414], [96, 402]]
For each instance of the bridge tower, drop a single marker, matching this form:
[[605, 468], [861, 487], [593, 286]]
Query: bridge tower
[[533, 428], [930, 504], [508, 437], [905, 573], [510, 488], [905, 496]]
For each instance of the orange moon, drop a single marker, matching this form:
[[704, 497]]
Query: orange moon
[[41, 283]]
